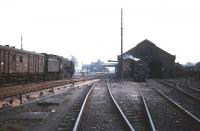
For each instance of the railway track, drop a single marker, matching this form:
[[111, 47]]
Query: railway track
[[16, 90], [135, 109], [194, 84], [166, 114], [101, 112], [13, 96], [189, 85], [186, 101], [183, 85], [47, 114], [70, 118]]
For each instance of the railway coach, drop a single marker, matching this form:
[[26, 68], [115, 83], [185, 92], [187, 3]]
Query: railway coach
[[18, 66]]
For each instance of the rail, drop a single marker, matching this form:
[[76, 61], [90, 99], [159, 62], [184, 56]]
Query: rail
[[191, 87], [177, 105], [16, 91], [82, 109], [182, 90], [120, 110], [148, 113], [78, 120]]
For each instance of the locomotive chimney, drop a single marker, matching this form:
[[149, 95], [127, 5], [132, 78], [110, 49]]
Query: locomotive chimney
[[21, 43]]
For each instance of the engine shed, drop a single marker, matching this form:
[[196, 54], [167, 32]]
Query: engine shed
[[159, 63]]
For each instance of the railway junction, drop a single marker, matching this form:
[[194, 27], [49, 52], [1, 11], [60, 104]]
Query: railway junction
[[152, 97], [107, 104]]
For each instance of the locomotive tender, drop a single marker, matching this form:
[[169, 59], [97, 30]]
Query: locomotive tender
[[22, 66]]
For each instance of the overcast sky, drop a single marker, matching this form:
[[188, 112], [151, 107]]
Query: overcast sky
[[90, 29]]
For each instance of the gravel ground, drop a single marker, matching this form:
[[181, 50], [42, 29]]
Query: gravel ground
[[165, 116], [192, 105], [45, 115], [100, 113], [129, 99], [184, 86], [60, 111], [195, 84]]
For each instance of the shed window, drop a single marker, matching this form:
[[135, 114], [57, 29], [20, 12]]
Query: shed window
[[21, 60]]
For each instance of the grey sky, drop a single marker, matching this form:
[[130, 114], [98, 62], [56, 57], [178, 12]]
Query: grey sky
[[90, 29]]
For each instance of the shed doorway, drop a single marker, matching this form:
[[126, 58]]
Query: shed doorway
[[155, 69]]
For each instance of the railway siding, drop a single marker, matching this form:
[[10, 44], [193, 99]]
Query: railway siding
[[118, 108], [183, 85], [187, 102], [129, 99], [100, 112], [16, 95], [167, 116], [47, 114]]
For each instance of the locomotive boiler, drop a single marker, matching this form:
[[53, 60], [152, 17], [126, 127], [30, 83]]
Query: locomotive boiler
[[133, 68]]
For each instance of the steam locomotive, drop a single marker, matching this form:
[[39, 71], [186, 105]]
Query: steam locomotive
[[18, 66], [133, 68]]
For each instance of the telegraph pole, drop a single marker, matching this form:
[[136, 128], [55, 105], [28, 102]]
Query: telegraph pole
[[121, 46]]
